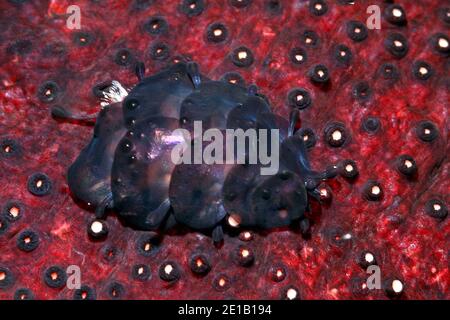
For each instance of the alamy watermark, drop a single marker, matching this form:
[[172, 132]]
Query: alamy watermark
[[73, 277], [374, 280], [241, 147], [74, 19], [374, 20]]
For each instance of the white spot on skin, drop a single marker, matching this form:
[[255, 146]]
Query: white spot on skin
[[423, 70], [324, 192], [14, 212], [408, 164], [369, 257], [398, 44], [96, 227], [298, 57], [222, 282], [336, 135], [242, 55], [168, 269], [397, 286], [397, 13], [443, 43], [291, 294], [199, 262], [376, 190], [245, 253], [247, 235]]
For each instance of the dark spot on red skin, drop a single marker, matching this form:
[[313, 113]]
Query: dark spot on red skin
[[6, 278], [407, 166], [13, 210], [277, 272], [4, 224], [156, 25], [23, 294], [366, 259], [141, 272], [199, 264], [123, 57], [436, 208], [343, 55], [244, 256], [95, 234], [359, 287], [357, 31], [308, 136], [395, 14], [348, 169], [49, 91], [28, 241], [115, 291], [397, 45], [55, 277], [21, 47], [299, 98], [216, 32], [39, 184], [169, 272], [84, 293], [395, 227], [9, 148]]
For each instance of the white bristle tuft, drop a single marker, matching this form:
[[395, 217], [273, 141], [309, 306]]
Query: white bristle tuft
[[115, 93]]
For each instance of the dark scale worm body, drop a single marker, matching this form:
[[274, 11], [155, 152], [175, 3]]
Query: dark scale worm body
[[127, 166]]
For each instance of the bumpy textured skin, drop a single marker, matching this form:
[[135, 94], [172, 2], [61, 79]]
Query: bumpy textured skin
[[90, 175], [407, 242], [159, 95], [141, 185], [145, 187]]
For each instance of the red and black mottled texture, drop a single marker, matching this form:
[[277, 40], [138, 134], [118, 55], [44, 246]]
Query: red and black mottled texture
[[407, 243]]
